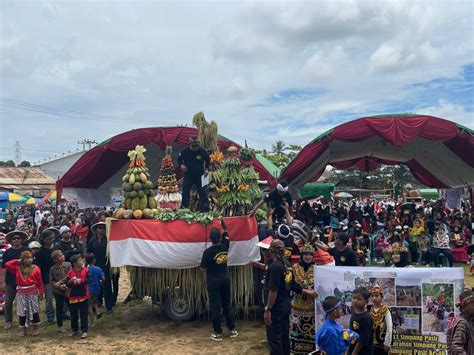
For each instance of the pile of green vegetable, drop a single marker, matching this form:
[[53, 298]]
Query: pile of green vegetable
[[186, 215]]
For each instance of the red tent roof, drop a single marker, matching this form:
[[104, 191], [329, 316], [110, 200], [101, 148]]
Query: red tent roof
[[102, 162], [438, 152]]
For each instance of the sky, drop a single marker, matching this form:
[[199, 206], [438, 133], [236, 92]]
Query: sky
[[264, 71]]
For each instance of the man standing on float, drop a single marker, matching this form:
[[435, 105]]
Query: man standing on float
[[194, 162]]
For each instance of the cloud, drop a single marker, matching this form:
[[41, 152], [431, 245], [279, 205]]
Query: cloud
[[263, 70], [394, 57], [449, 111]]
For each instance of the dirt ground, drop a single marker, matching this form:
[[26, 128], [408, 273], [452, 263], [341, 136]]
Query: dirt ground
[[138, 327]]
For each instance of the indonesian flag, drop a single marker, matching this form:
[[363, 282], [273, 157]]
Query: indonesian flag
[[177, 244]]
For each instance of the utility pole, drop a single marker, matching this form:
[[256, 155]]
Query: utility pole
[[88, 143], [17, 152]]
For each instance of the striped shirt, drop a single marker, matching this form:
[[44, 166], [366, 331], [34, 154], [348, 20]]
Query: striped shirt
[[58, 273]]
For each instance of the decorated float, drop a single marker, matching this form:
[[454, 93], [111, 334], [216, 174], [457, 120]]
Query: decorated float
[[159, 243]]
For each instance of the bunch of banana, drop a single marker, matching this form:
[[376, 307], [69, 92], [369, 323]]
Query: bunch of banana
[[138, 187]]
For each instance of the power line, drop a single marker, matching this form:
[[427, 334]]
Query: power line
[[32, 150], [31, 107]]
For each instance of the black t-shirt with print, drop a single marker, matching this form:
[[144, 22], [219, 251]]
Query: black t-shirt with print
[[195, 161], [214, 260], [277, 280], [347, 257], [361, 323]]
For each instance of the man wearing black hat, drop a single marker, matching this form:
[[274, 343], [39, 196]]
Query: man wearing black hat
[[16, 239], [194, 162], [45, 262]]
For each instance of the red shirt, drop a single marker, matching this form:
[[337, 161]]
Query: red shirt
[[78, 292], [33, 279]]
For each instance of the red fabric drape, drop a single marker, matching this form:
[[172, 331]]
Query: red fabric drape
[[399, 131], [102, 162], [423, 175]]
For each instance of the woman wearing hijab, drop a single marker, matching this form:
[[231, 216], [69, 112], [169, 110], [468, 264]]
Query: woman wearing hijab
[[302, 322]]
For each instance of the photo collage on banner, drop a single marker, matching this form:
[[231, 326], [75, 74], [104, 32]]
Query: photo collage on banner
[[421, 301]]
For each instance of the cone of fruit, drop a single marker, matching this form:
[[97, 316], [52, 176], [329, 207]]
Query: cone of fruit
[[138, 198], [168, 191]]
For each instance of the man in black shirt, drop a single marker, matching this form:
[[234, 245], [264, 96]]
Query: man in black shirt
[[16, 239], [277, 300], [214, 263], [194, 162], [343, 255], [66, 244], [44, 261], [279, 202], [9, 224], [98, 247]]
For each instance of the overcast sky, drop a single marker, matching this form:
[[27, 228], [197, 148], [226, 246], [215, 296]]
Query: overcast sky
[[263, 70]]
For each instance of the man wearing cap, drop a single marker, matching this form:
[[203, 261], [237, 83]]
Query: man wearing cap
[[45, 262], [16, 239], [98, 246], [66, 244], [279, 202], [194, 162]]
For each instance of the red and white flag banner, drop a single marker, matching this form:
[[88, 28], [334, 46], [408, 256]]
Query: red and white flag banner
[[177, 244]]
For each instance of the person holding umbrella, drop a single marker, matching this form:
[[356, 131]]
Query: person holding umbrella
[[16, 239]]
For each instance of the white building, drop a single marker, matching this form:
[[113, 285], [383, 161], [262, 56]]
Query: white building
[[56, 167]]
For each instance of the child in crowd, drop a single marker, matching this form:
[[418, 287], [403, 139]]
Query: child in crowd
[[29, 291], [382, 322], [331, 338], [424, 247], [78, 280], [97, 278], [361, 323], [461, 335], [57, 279]]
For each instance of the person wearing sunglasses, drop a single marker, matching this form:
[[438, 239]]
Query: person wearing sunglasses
[[16, 239]]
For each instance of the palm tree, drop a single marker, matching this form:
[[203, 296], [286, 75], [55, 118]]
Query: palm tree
[[279, 148], [295, 148]]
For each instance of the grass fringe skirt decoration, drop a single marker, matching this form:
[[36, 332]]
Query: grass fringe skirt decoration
[[191, 284]]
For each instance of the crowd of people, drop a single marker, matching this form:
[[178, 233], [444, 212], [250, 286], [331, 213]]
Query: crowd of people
[[59, 255], [302, 234], [44, 251]]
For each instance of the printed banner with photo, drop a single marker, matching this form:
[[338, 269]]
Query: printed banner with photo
[[422, 301]]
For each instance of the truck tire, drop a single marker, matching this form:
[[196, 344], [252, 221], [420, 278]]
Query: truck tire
[[178, 308]]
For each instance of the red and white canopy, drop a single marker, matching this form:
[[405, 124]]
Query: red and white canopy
[[438, 152], [96, 177]]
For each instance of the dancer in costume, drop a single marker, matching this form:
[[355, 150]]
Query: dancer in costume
[[302, 323], [381, 322]]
